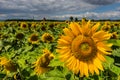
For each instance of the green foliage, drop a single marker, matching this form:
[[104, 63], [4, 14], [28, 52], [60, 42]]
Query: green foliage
[[24, 54]]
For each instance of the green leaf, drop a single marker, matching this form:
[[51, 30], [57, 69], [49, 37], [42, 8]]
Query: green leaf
[[118, 42], [1, 43], [55, 78], [116, 52], [27, 48], [115, 42], [2, 75], [34, 77], [7, 47], [109, 62], [115, 69], [55, 73], [56, 62], [25, 72]]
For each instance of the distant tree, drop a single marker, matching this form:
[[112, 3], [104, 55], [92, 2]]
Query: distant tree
[[76, 19], [71, 18], [44, 19]]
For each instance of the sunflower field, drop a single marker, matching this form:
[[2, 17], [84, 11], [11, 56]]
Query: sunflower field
[[82, 50]]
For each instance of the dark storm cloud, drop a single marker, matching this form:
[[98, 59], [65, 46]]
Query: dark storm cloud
[[44, 6], [101, 2], [48, 8]]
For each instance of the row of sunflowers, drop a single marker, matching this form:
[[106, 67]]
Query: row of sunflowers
[[83, 50]]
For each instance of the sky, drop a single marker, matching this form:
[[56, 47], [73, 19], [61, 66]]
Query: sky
[[59, 9]]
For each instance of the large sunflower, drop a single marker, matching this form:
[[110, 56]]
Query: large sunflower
[[41, 65], [8, 65], [83, 47]]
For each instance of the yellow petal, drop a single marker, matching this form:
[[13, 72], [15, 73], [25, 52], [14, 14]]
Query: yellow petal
[[68, 32], [90, 67], [102, 51], [71, 63], [75, 28], [100, 56], [63, 42], [81, 69], [96, 70], [98, 64], [77, 66], [65, 56], [83, 22], [66, 38], [105, 46], [95, 27], [101, 35], [63, 50], [85, 69]]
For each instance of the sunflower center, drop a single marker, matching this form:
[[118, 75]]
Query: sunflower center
[[34, 38], [48, 37], [83, 48], [24, 26]]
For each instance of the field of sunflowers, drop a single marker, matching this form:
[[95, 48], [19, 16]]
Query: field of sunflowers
[[82, 50]]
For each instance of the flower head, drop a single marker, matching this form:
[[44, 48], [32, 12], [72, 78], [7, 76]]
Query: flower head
[[106, 26], [8, 65], [41, 65], [114, 35], [33, 39], [46, 37], [83, 47], [19, 36], [24, 25]]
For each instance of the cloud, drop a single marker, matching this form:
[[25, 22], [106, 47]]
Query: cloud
[[43, 7], [93, 15], [101, 2], [50, 8]]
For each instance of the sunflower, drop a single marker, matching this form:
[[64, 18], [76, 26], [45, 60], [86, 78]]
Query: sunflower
[[33, 39], [19, 36], [23, 25], [33, 25], [114, 35], [83, 47], [46, 37], [106, 26], [51, 25], [8, 65], [43, 28], [41, 65]]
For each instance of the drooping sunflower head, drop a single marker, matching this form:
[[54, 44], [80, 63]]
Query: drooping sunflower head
[[33, 39], [114, 35], [8, 65], [46, 37], [51, 25], [41, 65], [19, 36], [82, 47], [43, 28], [33, 25], [23, 25], [106, 26]]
